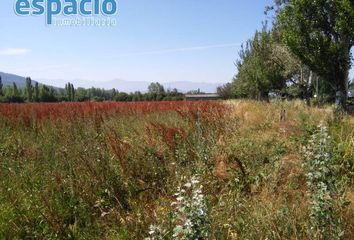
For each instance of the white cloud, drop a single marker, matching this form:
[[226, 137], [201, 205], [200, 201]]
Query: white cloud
[[14, 51]]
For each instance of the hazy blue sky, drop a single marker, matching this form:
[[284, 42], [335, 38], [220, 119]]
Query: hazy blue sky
[[157, 40]]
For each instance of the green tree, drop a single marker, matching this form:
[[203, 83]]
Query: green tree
[[29, 89], [114, 92], [259, 71], [72, 90], [156, 91], [225, 91], [36, 92], [321, 34], [12, 94], [1, 87], [173, 95], [68, 91], [300, 79], [15, 91], [82, 94], [137, 96], [122, 97], [156, 88], [47, 94]]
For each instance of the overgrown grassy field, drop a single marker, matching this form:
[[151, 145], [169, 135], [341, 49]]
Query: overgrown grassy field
[[175, 170]]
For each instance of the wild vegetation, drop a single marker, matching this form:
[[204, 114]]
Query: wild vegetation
[[175, 170], [240, 169]]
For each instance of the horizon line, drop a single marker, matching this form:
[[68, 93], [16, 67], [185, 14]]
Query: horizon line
[[175, 50]]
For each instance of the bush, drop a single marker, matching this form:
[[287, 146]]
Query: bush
[[322, 178]]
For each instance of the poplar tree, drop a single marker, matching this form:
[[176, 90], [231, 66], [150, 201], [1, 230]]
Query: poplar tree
[[321, 34], [36, 92], [1, 86], [29, 89], [15, 92], [72, 90], [68, 91]]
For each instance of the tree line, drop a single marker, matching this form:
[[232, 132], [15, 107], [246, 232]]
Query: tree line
[[305, 54], [42, 93]]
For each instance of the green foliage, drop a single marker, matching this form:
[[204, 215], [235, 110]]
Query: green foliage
[[322, 179], [259, 70], [15, 90], [36, 92], [191, 214], [1, 88], [156, 91], [70, 92], [43, 93], [12, 94], [47, 94], [190, 217], [306, 53], [226, 91], [321, 34], [29, 89], [122, 97]]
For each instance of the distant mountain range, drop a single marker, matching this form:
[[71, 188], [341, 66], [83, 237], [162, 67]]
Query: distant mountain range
[[120, 85], [8, 79]]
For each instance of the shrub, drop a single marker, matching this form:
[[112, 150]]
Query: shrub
[[321, 180], [190, 220]]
